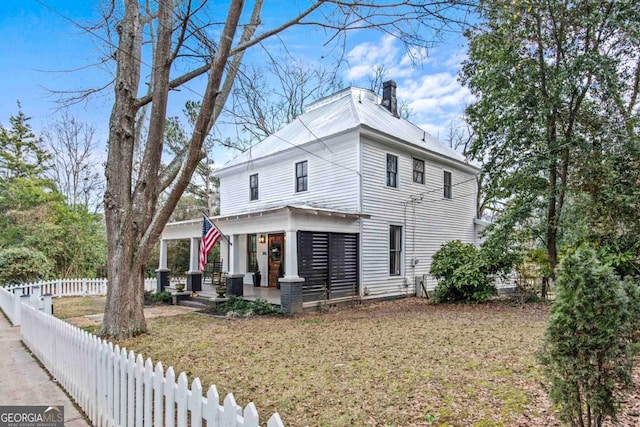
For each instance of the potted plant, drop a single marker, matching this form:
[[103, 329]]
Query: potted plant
[[180, 287], [257, 277], [221, 285]]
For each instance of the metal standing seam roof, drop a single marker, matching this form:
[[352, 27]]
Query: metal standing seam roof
[[340, 112]]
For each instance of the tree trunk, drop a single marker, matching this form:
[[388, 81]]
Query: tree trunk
[[124, 312], [124, 315]]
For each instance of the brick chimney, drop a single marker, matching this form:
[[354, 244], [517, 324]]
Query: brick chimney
[[389, 97]]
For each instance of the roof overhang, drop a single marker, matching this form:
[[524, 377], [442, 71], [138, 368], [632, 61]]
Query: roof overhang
[[301, 209]]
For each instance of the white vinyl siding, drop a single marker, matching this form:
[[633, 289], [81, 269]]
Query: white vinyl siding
[[427, 224], [334, 182]]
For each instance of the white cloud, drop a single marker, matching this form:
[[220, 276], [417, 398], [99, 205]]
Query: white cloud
[[365, 56], [434, 93]]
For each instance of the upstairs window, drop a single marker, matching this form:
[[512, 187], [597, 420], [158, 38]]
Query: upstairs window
[[301, 176], [253, 187], [448, 191], [392, 171], [418, 171], [395, 249]]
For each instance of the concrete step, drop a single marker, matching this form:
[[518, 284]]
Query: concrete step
[[198, 303]]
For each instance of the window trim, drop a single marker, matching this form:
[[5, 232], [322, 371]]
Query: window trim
[[447, 195], [396, 172], [399, 251], [296, 177], [251, 188], [424, 167]]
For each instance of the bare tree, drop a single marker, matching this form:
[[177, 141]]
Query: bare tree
[[177, 33], [76, 171], [267, 97]]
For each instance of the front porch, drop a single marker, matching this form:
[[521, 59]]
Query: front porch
[[300, 255]]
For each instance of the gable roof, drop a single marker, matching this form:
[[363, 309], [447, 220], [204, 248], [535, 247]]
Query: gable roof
[[341, 112]]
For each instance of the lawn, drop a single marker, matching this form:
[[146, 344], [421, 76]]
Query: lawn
[[397, 363], [65, 308]]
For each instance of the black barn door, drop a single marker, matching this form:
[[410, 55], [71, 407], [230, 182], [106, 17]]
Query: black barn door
[[329, 264]]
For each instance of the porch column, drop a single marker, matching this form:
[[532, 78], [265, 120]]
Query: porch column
[[194, 254], [234, 254], [194, 276], [291, 255], [163, 255], [162, 273]]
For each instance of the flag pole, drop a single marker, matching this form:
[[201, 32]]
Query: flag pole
[[216, 227]]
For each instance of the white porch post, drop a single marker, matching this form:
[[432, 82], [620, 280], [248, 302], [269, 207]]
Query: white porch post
[[163, 255], [234, 253], [194, 255], [291, 255]]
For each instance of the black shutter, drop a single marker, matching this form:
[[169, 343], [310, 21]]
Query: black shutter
[[343, 265], [313, 264], [329, 264]]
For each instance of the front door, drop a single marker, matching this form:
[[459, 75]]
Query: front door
[[276, 258]]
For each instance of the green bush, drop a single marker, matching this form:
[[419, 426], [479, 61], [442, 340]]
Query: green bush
[[238, 307], [586, 353], [23, 265], [462, 273], [151, 297]]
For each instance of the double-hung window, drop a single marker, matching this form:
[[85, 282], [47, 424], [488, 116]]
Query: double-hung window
[[301, 176], [253, 187], [418, 171], [448, 190], [395, 249], [392, 170]]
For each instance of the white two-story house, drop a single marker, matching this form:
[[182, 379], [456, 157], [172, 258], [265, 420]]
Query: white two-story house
[[349, 201]]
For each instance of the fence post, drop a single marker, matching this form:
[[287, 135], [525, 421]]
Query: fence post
[[47, 304], [84, 287], [20, 299], [35, 296]]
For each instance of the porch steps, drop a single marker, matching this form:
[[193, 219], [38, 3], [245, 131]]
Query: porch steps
[[197, 302]]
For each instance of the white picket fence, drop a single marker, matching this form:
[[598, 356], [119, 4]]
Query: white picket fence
[[115, 387], [71, 287]]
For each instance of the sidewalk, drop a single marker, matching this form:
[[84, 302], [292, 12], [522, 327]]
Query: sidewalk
[[24, 382]]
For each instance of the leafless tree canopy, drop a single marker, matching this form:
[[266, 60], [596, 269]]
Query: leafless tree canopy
[[268, 96], [76, 169]]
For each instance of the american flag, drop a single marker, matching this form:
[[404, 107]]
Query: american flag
[[210, 235]]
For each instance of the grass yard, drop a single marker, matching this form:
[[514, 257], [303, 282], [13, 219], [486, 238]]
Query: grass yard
[[397, 363], [65, 308]]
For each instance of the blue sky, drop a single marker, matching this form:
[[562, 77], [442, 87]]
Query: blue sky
[[38, 45]]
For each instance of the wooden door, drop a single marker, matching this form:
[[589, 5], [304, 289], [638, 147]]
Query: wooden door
[[275, 252]]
